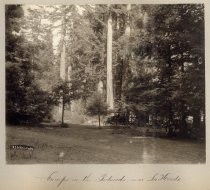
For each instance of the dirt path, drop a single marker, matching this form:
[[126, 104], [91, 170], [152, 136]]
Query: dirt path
[[86, 144]]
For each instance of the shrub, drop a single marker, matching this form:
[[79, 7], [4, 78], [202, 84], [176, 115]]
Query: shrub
[[96, 106]]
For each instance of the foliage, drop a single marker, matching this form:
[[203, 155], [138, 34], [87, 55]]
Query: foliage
[[117, 119], [65, 91], [168, 60], [26, 101], [97, 106]]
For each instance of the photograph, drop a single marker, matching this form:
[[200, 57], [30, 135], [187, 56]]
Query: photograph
[[105, 84]]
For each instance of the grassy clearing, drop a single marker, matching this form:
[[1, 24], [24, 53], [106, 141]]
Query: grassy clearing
[[87, 145]]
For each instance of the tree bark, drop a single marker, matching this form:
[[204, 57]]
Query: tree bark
[[63, 62], [128, 27], [63, 65], [110, 95]]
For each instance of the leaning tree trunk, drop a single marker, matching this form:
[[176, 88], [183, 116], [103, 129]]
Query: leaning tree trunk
[[110, 95]]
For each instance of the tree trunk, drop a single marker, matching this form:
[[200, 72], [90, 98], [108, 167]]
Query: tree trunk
[[183, 124], [125, 61], [63, 62], [63, 66], [69, 73], [99, 121], [100, 87], [62, 114], [110, 96], [62, 76], [128, 27]]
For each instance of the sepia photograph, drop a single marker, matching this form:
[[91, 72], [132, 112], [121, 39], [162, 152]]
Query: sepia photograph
[[105, 84]]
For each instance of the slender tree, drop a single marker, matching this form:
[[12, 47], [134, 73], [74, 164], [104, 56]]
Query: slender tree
[[97, 107]]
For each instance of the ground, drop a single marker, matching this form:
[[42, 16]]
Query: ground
[[89, 145]]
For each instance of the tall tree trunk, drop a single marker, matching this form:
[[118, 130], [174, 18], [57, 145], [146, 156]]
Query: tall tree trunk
[[63, 66], [125, 61], [110, 95], [63, 56], [128, 27], [62, 76]]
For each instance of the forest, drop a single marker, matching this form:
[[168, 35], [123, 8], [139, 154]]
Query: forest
[[140, 65]]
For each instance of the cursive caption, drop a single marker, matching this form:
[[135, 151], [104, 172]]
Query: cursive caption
[[58, 180]]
